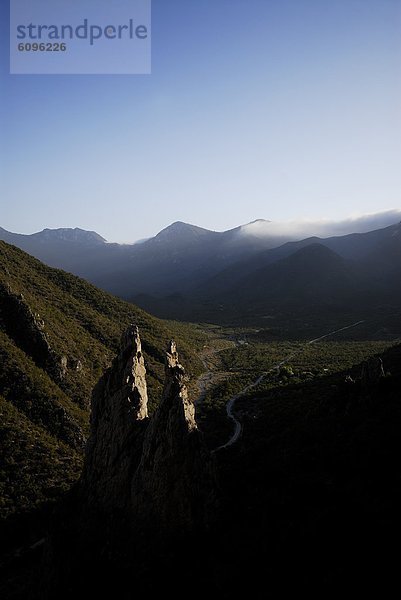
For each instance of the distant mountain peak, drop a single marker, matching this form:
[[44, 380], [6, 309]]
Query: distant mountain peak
[[180, 226], [71, 235], [180, 230], [257, 228]]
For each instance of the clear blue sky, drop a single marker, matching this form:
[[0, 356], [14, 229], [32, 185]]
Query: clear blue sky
[[275, 109]]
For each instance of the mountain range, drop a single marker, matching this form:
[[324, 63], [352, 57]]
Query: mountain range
[[190, 273]]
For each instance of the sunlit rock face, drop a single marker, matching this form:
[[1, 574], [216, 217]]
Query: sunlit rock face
[[118, 420], [157, 472], [173, 489]]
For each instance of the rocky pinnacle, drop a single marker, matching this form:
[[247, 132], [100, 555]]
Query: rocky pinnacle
[[118, 419], [148, 484], [156, 472], [174, 485], [135, 374]]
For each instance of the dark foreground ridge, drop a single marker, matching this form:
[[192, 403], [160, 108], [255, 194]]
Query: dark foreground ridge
[[148, 486], [307, 501]]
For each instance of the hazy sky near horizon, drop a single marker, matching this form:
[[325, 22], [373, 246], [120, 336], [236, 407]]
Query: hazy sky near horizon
[[274, 109]]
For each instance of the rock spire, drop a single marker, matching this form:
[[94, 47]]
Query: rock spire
[[174, 486], [118, 419]]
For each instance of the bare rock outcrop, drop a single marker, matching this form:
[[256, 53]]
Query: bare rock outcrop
[[118, 420], [157, 471], [174, 487], [147, 487], [27, 328]]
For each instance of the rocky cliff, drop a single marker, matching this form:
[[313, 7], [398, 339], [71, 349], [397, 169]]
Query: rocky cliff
[[148, 484], [157, 470], [118, 420], [28, 330], [173, 489], [32, 373]]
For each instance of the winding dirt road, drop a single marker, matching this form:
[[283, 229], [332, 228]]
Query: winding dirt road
[[231, 403]]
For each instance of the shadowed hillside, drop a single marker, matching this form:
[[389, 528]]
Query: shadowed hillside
[[57, 336]]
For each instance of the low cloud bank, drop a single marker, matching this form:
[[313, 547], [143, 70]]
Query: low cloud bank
[[322, 228]]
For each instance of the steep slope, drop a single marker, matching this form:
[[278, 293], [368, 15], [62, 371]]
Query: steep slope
[[57, 335], [313, 274], [361, 270], [360, 247], [36, 467]]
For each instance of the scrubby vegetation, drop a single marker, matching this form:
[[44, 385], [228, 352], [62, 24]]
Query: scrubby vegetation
[[303, 364], [35, 467], [45, 403]]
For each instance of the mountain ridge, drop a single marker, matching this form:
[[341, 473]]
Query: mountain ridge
[[360, 224], [199, 267]]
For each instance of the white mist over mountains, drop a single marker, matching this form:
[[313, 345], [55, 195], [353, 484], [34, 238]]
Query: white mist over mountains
[[300, 229]]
